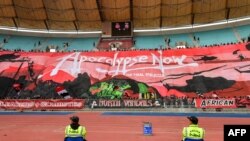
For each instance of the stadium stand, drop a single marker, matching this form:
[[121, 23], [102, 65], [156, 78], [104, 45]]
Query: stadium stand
[[149, 42], [28, 43], [115, 44], [204, 38], [21, 42], [83, 44], [1, 38], [174, 39], [244, 31], [216, 37]]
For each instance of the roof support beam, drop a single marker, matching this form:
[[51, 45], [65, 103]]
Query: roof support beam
[[131, 10], [46, 24], [15, 18], [161, 6], [15, 22], [75, 24], [227, 10], [47, 18], [192, 12], [98, 3]]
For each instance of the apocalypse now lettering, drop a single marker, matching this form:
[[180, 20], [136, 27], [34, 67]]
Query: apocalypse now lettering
[[121, 64]]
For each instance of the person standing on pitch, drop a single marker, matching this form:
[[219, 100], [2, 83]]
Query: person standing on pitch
[[193, 132], [74, 131]]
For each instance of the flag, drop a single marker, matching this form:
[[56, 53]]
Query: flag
[[62, 92], [214, 95], [17, 87]]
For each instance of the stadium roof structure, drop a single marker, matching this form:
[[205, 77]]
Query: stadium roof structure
[[88, 15]]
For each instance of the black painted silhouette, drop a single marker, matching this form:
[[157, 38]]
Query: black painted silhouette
[[241, 57], [203, 84], [8, 57], [248, 46], [206, 58], [236, 51], [180, 75], [13, 57], [242, 71]]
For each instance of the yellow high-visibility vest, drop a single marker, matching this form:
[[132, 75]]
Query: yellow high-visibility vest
[[79, 132], [193, 132]]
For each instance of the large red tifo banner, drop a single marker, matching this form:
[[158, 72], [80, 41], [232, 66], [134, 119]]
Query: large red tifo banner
[[215, 103], [148, 74], [42, 104]]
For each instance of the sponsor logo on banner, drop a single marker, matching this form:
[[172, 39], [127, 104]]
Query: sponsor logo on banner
[[124, 103], [215, 103]]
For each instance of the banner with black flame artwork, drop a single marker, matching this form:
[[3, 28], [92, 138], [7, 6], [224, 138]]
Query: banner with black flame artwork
[[146, 74]]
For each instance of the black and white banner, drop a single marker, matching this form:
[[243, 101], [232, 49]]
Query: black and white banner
[[102, 103]]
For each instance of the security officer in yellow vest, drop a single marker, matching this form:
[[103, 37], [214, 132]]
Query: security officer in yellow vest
[[74, 131], [193, 132]]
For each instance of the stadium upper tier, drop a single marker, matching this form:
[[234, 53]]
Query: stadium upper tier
[[41, 43], [204, 38]]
